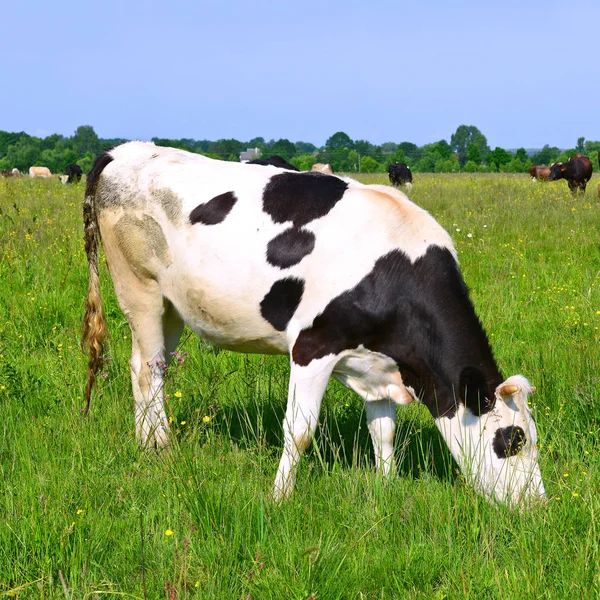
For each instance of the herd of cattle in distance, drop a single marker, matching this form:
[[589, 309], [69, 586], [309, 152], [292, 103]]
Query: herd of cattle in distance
[[72, 174], [577, 171]]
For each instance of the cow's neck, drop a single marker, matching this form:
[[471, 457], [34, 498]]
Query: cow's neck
[[440, 344]]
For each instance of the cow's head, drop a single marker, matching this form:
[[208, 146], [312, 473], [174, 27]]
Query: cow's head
[[497, 450], [557, 171]]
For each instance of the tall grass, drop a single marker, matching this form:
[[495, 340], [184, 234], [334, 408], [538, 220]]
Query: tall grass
[[85, 514]]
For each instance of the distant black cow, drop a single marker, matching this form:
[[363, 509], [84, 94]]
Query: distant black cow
[[73, 173], [400, 174], [577, 171], [274, 161]]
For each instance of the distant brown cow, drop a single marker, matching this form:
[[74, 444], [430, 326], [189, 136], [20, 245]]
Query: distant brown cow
[[39, 172], [11, 173], [539, 173], [322, 168]]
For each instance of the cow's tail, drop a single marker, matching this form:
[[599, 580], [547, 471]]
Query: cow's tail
[[94, 326]]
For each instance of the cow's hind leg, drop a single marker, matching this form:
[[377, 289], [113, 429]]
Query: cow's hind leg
[[306, 389], [381, 420], [155, 334]]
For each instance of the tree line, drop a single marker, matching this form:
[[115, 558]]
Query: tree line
[[467, 151]]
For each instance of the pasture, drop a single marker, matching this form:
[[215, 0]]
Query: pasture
[[84, 514]]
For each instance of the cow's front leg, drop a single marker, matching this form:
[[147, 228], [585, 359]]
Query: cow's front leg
[[381, 420], [306, 389]]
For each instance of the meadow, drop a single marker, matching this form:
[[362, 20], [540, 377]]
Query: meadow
[[84, 514]]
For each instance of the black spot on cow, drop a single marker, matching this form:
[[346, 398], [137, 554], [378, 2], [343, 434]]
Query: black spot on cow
[[290, 247], [281, 302], [508, 441], [420, 315], [301, 197], [214, 211]]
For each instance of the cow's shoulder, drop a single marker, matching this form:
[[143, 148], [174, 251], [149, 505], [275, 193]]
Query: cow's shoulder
[[413, 228]]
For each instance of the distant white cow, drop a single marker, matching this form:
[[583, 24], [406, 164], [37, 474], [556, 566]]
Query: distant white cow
[[349, 280], [322, 168], [39, 172]]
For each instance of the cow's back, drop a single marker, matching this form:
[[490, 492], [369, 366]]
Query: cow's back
[[247, 253]]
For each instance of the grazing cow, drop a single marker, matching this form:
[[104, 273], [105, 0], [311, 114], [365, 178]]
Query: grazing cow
[[11, 173], [400, 174], [539, 172], [39, 172], [73, 173], [273, 161], [322, 168], [577, 171], [349, 280]]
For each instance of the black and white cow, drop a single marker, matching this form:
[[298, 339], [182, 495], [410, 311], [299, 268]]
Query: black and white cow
[[73, 173], [400, 174], [273, 161], [352, 281]]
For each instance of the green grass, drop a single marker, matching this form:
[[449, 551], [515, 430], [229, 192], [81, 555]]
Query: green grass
[[80, 501]]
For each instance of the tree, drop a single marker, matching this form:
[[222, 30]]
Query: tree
[[499, 156], [370, 165], [446, 165], [546, 155], [85, 140], [521, 155], [304, 162], [473, 154], [389, 147], [465, 135], [426, 164], [224, 149], [283, 148], [25, 153], [471, 167], [397, 156], [580, 145], [339, 140], [304, 148], [411, 151]]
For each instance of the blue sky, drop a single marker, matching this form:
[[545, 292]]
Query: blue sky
[[525, 73]]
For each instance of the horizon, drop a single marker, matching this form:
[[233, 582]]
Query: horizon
[[320, 147]]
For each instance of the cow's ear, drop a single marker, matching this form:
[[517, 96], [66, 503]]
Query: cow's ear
[[563, 168]]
